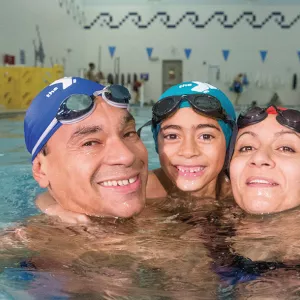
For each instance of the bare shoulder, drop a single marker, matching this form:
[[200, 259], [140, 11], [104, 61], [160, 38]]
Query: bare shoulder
[[155, 188]]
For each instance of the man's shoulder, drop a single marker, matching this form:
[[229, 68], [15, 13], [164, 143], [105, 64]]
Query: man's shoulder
[[155, 186]]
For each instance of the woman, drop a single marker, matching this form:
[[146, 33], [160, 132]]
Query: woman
[[265, 179], [192, 125], [265, 167]]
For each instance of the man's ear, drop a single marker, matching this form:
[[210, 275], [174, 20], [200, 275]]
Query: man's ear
[[38, 171]]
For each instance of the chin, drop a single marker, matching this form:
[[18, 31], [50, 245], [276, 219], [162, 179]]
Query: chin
[[188, 186], [260, 207], [130, 212]]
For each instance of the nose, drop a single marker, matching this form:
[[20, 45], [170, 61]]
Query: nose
[[118, 153], [189, 148], [262, 158]]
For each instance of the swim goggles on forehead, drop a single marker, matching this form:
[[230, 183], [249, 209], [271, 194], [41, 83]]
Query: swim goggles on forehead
[[289, 118], [205, 104], [202, 103], [79, 106]]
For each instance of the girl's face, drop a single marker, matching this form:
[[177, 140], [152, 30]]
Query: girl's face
[[265, 168], [192, 151]]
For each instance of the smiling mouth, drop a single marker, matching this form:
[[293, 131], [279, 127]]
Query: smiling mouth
[[123, 182], [190, 171], [261, 183]]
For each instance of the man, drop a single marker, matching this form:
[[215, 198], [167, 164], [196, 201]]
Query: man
[[85, 148]]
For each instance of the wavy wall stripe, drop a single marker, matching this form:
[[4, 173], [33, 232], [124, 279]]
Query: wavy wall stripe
[[106, 19]]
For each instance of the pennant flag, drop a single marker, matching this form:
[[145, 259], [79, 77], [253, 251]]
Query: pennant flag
[[112, 50], [149, 52], [187, 52], [263, 55], [298, 54], [225, 54]]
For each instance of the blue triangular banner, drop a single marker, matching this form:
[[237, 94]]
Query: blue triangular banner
[[263, 55], [187, 52], [149, 52], [112, 50], [298, 54], [225, 54]]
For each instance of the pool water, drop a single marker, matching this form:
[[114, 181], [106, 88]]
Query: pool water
[[214, 253]]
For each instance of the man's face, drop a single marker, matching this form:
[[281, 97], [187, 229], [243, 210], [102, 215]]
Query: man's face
[[192, 150], [264, 170], [98, 166]]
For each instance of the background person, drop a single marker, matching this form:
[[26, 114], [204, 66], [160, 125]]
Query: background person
[[90, 74]]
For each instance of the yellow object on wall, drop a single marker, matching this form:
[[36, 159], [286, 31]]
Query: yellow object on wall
[[19, 85]]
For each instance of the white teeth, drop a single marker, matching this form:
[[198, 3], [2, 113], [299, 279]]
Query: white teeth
[[261, 181], [119, 182], [190, 170], [132, 180]]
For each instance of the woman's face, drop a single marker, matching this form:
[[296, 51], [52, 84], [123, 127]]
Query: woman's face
[[265, 168], [192, 150]]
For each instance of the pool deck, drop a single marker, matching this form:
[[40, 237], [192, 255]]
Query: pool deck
[[5, 113]]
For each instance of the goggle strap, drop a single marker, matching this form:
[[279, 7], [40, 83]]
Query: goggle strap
[[146, 124], [231, 146], [44, 134]]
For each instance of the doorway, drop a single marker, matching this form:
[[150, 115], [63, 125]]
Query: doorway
[[171, 73]]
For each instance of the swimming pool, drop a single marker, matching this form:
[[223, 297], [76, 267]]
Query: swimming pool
[[203, 263]]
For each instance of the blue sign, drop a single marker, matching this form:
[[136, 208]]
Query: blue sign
[[149, 51], [144, 76], [298, 54], [187, 52], [263, 55], [112, 50], [225, 54]]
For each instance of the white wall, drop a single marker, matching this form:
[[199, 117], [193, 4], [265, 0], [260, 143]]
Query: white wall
[[59, 31], [244, 42]]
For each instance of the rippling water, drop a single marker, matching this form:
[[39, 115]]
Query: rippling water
[[168, 252]]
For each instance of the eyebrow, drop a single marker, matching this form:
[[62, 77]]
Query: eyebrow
[[199, 126], [84, 131], [277, 134], [247, 132], [287, 132], [127, 119]]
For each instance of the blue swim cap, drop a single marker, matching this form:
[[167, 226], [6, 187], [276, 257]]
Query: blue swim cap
[[44, 107], [196, 87]]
